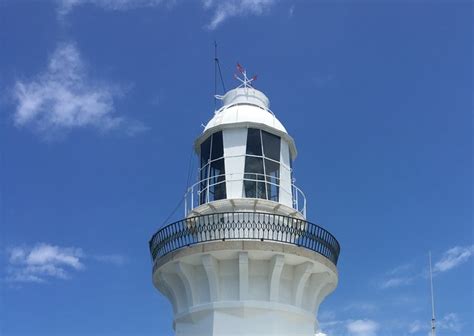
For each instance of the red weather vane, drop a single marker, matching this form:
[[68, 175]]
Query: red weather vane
[[246, 82]]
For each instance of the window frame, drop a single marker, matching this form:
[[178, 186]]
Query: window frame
[[268, 181]]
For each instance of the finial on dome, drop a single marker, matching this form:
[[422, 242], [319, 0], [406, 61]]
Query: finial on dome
[[245, 93], [246, 82]]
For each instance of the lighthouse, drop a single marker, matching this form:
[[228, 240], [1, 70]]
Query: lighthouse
[[244, 260]]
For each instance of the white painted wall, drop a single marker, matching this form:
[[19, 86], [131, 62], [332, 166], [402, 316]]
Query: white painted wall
[[248, 291]]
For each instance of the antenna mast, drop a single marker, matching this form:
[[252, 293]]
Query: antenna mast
[[217, 67], [433, 319]]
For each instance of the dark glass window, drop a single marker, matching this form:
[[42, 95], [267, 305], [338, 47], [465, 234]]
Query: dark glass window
[[217, 146], [272, 170], [262, 175], [205, 151], [254, 173], [212, 173], [217, 171], [254, 144], [254, 168], [271, 145]]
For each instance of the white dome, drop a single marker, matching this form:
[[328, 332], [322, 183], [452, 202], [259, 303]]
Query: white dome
[[245, 106]]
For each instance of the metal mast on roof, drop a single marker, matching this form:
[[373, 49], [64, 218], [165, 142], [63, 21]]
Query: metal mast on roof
[[217, 67], [433, 319]]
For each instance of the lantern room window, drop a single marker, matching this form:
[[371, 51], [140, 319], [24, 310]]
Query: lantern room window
[[212, 169], [262, 165]]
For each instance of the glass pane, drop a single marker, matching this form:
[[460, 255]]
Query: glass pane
[[272, 192], [250, 188], [217, 192], [273, 179], [205, 151], [217, 171], [255, 189], [254, 165], [254, 145], [271, 146], [203, 184], [203, 194], [272, 170], [261, 190], [217, 146]]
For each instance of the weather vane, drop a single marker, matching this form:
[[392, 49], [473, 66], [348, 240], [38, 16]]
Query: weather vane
[[246, 82]]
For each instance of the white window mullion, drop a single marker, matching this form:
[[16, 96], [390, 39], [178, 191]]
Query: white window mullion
[[264, 168], [209, 169]]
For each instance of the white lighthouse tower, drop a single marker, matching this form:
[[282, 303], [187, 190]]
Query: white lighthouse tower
[[244, 260]]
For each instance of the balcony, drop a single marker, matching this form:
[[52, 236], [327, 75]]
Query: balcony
[[253, 226]]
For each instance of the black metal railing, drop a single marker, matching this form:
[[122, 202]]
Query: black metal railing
[[244, 226]]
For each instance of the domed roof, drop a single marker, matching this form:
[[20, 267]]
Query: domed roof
[[246, 107]]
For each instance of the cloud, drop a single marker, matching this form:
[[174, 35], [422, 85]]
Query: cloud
[[223, 10], [396, 282], [66, 6], [449, 322], [362, 327], [406, 274], [417, 326], [453, 257], [63, 98], [43, 261], [291, 11], [320, 333], [399, 276]]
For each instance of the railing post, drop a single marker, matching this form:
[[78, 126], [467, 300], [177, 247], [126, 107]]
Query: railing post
[[186, 203]]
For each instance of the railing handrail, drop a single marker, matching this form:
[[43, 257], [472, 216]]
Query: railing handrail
[[230, 177], [244, 226]]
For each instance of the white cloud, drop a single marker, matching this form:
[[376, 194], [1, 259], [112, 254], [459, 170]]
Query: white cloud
[[66, 6], [396, 282], [399, 276], [417, 326], [291, 11], [362, 327], [449, 322], [64, 97], [223, 10], [43, 261], [320, 333], [453, 258], [406, 274]]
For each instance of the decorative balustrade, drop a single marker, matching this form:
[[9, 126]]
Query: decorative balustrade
[[244, 226]]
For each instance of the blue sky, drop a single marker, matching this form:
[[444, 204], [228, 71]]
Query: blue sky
[[100, 103]]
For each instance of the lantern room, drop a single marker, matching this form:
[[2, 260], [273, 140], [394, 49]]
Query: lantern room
[[245, 157]]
